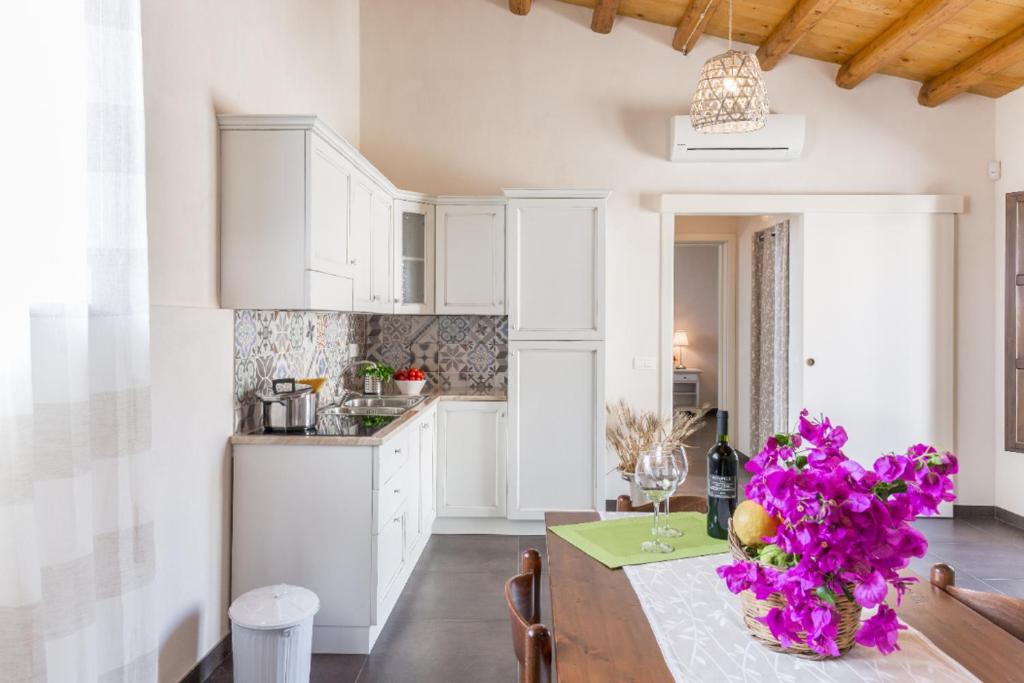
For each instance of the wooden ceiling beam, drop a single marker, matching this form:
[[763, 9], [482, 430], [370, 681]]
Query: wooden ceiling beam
[[520, 7], [604, 16], [990, 60], [798, 23], [924, 18], [695, 19]]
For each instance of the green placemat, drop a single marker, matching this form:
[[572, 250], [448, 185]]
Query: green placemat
[[616, 542]]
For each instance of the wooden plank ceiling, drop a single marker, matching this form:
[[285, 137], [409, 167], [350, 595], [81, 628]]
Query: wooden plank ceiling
[[950, 46]]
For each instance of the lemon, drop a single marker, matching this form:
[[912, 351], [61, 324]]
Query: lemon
[[752, 523]]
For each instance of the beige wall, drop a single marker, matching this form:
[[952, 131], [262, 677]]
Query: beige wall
[[201, 58], [477, 99], [1009, 471], [695, 272]]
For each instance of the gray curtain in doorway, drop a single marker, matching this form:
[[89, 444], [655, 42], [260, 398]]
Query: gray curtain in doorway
[[769, 334]]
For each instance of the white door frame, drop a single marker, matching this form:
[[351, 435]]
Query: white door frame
[[726, 370]]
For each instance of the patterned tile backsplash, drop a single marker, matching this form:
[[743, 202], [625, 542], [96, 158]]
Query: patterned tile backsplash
[[274, 344], [454, 351]]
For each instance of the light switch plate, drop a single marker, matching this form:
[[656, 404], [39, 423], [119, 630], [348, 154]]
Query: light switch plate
[[644, 362]]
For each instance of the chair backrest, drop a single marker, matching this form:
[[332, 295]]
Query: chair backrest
[[1002, 610], [675, 504], [531, 640]]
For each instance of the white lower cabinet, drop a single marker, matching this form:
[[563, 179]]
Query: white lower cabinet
[[346, 522], [556, 427], [471, 446], [428, 473]]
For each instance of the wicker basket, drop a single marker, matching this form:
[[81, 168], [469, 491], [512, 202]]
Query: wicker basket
[[849, 615]]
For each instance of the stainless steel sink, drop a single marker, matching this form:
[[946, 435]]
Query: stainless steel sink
[[381, 401], [374, 405]]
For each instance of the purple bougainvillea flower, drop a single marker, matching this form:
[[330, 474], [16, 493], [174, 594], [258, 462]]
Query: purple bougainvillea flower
[[845, 529], [881, 630], [872, 590]]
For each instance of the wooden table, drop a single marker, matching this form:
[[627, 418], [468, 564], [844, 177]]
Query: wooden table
[[602, 634]]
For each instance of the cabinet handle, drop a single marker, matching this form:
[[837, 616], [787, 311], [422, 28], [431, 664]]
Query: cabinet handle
[[398, 301], [352, 262], [424, 426], [398, 490], [397, 519], [810, 362], [397, 451]]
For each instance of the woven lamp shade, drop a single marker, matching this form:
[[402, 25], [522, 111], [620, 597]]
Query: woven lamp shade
[[731, 96]]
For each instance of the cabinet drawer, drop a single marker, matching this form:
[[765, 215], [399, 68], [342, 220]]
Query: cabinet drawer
[[390, 552], [390, 458], [685, 376], [395, 492]]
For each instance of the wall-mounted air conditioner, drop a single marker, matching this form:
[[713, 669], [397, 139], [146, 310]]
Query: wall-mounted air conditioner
[[781, 139]]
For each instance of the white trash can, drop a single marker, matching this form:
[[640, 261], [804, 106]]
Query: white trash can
[[272, 634]]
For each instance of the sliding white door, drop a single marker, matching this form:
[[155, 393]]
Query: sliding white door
[[872, 327]]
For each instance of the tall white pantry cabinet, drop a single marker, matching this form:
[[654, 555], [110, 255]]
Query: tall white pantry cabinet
[[556, 306]]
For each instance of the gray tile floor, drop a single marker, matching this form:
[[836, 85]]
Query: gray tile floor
[[450, 624]]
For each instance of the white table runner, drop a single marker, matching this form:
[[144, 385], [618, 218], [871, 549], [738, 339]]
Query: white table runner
[[699, 627]]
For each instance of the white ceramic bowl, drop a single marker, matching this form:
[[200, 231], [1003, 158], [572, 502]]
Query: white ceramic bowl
[[409, 387]]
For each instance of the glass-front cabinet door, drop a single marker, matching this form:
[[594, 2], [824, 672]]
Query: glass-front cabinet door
[[414, 257]]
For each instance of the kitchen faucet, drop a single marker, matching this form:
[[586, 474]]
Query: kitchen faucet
[[344, 371]]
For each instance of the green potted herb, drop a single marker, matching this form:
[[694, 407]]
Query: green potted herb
[[374, 375]]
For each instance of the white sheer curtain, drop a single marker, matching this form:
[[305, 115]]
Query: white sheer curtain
[[76, 528]]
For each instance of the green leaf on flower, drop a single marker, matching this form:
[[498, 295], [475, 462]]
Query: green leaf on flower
[[884, 489], [826, 594]]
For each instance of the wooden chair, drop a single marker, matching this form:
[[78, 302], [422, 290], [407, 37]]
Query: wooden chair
[[675, 504], [1002, 610], [531, 640]]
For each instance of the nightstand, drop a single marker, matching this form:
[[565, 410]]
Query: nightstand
[[685, 388]]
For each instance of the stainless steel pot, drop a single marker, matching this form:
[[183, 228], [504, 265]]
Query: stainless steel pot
[[290, 408]]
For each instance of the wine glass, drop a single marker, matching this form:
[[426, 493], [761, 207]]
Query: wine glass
[[679, 454], [656, 474]]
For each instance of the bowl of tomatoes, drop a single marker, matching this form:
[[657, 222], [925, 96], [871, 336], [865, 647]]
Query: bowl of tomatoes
[[410, 381]]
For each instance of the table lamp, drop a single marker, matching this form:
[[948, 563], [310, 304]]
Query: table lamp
[[679, 340]]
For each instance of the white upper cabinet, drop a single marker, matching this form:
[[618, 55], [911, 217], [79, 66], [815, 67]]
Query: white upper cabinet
[[305, 220], [556, 257], [470, 259], [555, 456], [380, 254], [413, 265], [361, 230], [330, 179]]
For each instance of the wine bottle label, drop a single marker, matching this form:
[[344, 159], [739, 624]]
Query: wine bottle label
[[720, 486]]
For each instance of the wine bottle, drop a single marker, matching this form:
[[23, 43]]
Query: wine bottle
[[723, 467]]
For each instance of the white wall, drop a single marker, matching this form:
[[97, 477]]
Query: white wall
[[477, 99], [202, 58], [695, 276], [1009, 467]]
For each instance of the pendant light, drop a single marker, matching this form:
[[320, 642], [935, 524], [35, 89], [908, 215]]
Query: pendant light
[[731, 96]]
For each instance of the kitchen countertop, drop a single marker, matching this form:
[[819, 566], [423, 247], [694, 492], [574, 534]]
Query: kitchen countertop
[[264, 438]]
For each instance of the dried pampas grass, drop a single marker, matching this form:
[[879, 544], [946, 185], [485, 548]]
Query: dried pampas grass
[[633, 432]]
